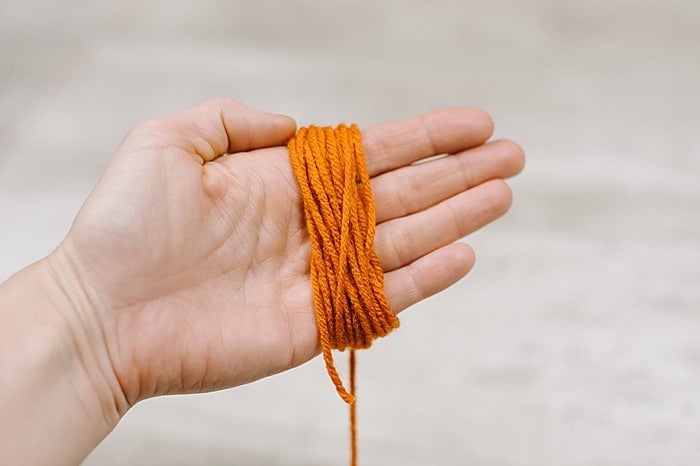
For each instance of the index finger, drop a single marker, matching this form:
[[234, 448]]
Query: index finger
[[398, 143]]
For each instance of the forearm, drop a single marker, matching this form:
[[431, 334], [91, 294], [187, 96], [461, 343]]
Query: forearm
[[56, 402]]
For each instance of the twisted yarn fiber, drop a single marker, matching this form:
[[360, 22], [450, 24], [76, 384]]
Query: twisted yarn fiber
[[346, 277]]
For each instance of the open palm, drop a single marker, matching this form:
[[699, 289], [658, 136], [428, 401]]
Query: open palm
[[193, 254]]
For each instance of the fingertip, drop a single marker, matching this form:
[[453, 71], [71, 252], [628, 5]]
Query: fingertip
[[502, 196], [514, 155], [484, 119], [464, 257], [286, 125], [474, 124], [248, 128]]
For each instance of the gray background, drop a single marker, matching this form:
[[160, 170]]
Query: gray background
[[575, 340]]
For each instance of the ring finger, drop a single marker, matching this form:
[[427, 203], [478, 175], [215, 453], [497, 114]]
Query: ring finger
[[403, 240]]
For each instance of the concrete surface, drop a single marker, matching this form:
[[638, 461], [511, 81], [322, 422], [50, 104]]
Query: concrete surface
[[576, 339]]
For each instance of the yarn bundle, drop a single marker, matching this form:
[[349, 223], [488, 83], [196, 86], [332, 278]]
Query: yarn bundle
[[347, 280]]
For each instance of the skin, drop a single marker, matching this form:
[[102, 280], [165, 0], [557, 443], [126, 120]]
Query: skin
[[186, 270]]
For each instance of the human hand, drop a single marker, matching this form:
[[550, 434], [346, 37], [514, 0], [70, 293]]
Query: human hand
[[186, 270], [192, 255]]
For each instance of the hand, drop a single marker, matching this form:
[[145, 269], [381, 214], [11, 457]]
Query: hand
[[192, 249], [187, 268]]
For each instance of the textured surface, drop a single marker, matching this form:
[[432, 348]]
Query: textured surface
[[575, 340]]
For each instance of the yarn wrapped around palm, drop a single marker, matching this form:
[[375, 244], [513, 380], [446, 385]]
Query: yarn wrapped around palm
[[347, 278]]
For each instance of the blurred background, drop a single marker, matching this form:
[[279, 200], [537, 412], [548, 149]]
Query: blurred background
[[576, 338]]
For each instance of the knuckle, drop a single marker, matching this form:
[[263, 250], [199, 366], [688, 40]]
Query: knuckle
[[373, 144], [466, 171], [147, 129], [221, 105], [402, 246], [406, 191], [419, 291], [221, 101]]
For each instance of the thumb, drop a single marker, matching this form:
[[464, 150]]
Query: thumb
[[217, 127]]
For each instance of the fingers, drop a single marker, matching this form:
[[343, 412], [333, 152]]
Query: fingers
[[395, 144], [215, 128], [402, 241], [413, 188], [428, 275]]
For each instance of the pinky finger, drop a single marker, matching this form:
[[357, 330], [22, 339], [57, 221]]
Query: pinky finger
[[428, 275]]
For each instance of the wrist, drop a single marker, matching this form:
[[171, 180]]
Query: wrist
[[58, 394]]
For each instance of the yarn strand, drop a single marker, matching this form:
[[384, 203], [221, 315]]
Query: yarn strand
[[347, 280]]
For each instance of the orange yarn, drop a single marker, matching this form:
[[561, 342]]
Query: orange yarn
[[346, 277]]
